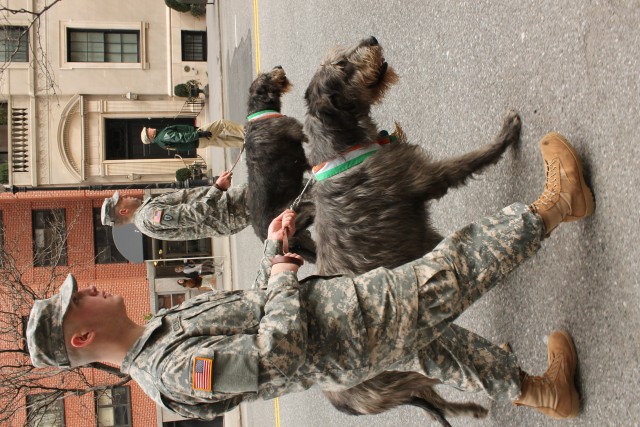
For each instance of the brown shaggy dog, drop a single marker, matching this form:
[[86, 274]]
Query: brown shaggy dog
[[276, 162], [375, 213]]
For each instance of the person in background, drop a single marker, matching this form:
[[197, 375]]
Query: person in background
[[190, 282], [183, 138], [203, 268]]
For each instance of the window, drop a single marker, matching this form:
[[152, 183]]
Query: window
[[14, 44], [103, 45], [49, 237], [216, 422], [194, 45], [44, 410], [122, 139], [105, 248], [25, 322], [113, 407], [170, 300]]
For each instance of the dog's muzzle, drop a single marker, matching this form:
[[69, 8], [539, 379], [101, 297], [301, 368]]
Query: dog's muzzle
[[381, 72]]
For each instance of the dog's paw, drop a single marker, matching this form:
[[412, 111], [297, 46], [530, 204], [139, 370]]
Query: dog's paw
[[511, 127], [512, 119], [506, 347], [480, 412]]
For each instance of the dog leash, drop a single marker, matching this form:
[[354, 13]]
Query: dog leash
[[237, 158], [298, 199], [278, 259]]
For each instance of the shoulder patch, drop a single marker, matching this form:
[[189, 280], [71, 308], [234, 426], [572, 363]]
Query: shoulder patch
[[202, 373], [167, 217], [157, 216]]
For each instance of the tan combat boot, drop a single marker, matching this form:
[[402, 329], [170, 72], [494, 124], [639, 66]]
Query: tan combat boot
[[554, 393], [566, 196]]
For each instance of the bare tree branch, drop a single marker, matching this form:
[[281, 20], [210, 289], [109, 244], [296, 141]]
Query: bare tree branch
[[18, 377], [38, 50], [35, 14]]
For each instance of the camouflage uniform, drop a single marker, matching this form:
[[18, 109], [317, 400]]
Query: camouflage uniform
[[194, 213], [338, 331]]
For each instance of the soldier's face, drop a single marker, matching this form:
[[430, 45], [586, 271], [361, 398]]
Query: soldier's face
[[91, 305], [129, 203]]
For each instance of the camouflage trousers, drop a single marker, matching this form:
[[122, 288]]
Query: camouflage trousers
[[224, 133], [463, 267]]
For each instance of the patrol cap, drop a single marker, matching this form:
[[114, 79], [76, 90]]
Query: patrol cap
[[144, 137], [108, 214], [45, 336]]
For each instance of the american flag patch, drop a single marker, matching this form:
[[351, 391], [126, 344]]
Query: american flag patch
[[157, 216], [202, 373]]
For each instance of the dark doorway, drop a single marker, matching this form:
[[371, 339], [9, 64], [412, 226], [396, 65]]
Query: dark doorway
[[217, 422], [122, 139]]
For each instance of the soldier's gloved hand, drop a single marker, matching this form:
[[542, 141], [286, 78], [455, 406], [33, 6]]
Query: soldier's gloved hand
[[204, 134], [287, 266]]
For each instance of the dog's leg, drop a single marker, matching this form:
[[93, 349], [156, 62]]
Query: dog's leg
[[391, 389], [454, 172]]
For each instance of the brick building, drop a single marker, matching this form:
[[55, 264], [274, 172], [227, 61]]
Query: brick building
[[25, 222], [91, 255]]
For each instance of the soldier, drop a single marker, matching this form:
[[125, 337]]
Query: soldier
[[189, 214], [207, 355], [181, 138], [202, 268]]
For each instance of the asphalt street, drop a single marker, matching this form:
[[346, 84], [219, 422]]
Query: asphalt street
[[566, 66]]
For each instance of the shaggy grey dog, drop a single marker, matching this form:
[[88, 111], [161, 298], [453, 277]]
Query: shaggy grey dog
[[276, 162], [375, 214]]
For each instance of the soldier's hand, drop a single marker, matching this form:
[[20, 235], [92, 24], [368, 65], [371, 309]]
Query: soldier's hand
[[286, 266], [286, 220], [224, 181]]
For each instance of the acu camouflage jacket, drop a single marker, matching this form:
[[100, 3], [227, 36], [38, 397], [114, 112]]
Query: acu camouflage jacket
[[204, 357], [194, 213]]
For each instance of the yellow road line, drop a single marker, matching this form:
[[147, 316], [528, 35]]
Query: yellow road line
[[276, 408], [256, 35]]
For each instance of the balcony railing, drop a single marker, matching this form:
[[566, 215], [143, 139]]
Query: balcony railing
[[19, 140]]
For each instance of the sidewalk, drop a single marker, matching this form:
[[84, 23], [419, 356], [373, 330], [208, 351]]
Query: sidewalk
[[214, 110]]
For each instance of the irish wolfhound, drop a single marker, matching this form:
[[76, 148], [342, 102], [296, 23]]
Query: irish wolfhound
[[276, 161], [371, 198]]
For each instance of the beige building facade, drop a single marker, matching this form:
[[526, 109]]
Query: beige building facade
[[87, 79]]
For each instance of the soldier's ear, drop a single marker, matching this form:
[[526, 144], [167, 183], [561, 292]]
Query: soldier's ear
[[80, 340], [123, 211]]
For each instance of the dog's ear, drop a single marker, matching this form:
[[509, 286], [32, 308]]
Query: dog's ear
[[341, 102], [325, 96], [258, 90], [286, 86], [322, 107], [263, 94]]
